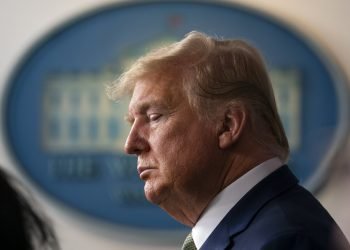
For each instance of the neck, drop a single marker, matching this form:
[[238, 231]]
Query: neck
[[189, 206], [240, 165], [186, 210]]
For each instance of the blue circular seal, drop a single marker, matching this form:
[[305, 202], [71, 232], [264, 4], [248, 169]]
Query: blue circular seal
[[68, 137]]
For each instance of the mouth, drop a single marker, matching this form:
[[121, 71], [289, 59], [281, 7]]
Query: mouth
[[144, 171]]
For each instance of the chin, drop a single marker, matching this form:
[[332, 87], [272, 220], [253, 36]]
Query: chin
[[153, 194]]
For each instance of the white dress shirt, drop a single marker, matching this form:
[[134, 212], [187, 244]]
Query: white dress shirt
[[228, 198]]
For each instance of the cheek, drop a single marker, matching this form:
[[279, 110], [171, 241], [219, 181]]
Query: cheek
[[189, 153], [168, 141], [180, 147], [170, 150]]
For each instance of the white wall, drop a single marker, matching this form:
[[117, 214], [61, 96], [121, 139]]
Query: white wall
[[24, 22]]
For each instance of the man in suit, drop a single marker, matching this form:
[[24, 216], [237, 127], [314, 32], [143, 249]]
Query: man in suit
[[212, 150]]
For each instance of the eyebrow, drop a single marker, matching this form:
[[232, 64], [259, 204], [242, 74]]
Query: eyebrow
[[129, 119]]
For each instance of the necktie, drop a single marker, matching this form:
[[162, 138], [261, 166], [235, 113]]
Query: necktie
[[189, 243]]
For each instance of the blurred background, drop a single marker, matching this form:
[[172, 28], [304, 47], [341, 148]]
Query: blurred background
[[25, 23]]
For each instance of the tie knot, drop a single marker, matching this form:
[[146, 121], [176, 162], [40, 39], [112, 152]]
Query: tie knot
[[189, 243]]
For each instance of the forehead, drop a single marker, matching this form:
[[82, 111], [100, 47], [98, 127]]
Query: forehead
[[156, 91]]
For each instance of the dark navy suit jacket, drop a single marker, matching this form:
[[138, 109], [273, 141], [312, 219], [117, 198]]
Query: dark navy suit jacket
[[277, 214]]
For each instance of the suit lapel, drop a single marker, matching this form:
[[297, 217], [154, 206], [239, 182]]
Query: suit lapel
[[239, 217]]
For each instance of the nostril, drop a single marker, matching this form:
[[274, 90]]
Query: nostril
[[136, 145], [130, 144], [137, 141], [128, 147]]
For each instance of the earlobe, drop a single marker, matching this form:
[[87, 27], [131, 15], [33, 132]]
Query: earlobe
[[232, 126]]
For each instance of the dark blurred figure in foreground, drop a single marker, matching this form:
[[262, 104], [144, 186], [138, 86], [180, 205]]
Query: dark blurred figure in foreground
[[21, 227]]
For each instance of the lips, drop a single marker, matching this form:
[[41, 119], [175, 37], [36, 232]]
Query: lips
[[144, 170]]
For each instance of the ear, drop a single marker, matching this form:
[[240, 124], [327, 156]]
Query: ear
[[232, 125]]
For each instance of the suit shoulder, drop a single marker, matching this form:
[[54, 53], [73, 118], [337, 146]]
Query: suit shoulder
[[294, 217], [293, 240]]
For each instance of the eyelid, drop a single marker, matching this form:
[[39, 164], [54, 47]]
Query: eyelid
[[154, 116]]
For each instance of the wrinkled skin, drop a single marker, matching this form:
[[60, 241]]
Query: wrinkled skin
[[179, 157]]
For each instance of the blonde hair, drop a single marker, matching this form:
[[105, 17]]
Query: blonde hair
[[214, 72]]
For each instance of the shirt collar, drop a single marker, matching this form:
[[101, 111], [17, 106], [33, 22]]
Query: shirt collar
[[228, 198]]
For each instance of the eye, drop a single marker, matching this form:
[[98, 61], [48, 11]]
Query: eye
[[154, 117]]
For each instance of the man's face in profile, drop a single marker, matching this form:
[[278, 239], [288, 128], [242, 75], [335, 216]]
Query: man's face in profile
[[177, 151]]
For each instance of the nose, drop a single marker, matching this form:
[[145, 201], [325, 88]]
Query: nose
[[136, 142]]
